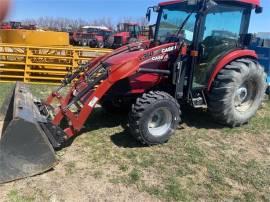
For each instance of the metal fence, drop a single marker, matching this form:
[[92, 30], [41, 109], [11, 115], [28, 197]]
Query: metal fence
[[33, 64]]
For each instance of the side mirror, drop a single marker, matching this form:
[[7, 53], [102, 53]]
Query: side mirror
[[258, 9], [148, 14], [156, 9]]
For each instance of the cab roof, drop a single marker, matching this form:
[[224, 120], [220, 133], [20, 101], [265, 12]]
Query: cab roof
[[252, 2]]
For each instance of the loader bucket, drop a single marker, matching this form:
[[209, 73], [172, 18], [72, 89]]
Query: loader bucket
[[24, 147]]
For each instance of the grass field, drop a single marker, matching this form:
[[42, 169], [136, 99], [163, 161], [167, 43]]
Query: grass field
[[203, 161]]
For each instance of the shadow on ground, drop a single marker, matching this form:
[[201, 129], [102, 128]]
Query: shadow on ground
[[101, 119], [198, 118]]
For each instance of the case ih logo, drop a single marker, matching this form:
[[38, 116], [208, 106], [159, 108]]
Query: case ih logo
[[169, 49], [158, 58]]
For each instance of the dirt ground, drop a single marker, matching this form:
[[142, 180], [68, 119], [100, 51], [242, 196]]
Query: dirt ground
[[203, 161]]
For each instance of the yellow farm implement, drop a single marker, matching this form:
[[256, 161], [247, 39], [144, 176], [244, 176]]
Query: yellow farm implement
[[34, 64]]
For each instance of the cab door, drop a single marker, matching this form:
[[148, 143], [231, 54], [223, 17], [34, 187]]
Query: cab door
[[220, 33]]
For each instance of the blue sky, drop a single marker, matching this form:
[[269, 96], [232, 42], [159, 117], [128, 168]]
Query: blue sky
[[115, 9]]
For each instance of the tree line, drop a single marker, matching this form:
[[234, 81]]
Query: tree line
[[60, 24]]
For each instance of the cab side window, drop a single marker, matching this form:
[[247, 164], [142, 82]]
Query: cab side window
[[220, 34]]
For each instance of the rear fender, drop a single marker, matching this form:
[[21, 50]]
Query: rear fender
[[226, 60]]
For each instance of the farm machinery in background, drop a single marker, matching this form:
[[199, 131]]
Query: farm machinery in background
[[189, 62], [92, 36], [261, 44], [129, 33], [16, 25]]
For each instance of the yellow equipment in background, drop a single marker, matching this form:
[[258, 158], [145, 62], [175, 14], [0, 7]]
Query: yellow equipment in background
[[34, 37], [35, 56], [38, 64]]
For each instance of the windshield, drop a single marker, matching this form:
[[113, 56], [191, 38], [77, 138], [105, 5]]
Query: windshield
[[171, 18]]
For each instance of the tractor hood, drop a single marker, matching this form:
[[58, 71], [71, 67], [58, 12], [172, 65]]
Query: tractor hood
[[141, 54], [125, 64], [124, 57]]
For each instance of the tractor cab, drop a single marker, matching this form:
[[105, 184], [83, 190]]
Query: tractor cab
[[208, 29], [127, 33], [133, 29]]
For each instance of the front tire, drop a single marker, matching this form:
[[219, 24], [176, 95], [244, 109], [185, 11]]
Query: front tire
[[100, 45], [237, 92], [154, 118]]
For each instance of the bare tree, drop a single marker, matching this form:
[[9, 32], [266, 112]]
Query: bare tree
[[142, 21], [58, 24]]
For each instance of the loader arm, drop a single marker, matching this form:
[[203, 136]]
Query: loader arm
[[70, 77], [93, 92], [96, 81]]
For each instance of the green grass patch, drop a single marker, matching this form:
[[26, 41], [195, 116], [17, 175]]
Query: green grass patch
[[134, 175], [70, 167], [15, 196], [202, 161]]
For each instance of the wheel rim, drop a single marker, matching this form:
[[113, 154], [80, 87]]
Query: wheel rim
[[245, 96], [159, 122]]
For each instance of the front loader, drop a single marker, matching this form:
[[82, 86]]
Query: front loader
[[199, 57]]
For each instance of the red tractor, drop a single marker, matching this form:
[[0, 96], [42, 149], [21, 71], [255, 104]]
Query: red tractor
[[199, 57], [5, 25], [92, 36], [127, 33], [11, 25], [16, 25]]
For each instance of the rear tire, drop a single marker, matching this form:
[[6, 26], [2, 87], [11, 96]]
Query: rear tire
[[237, 92], [154, 118]]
